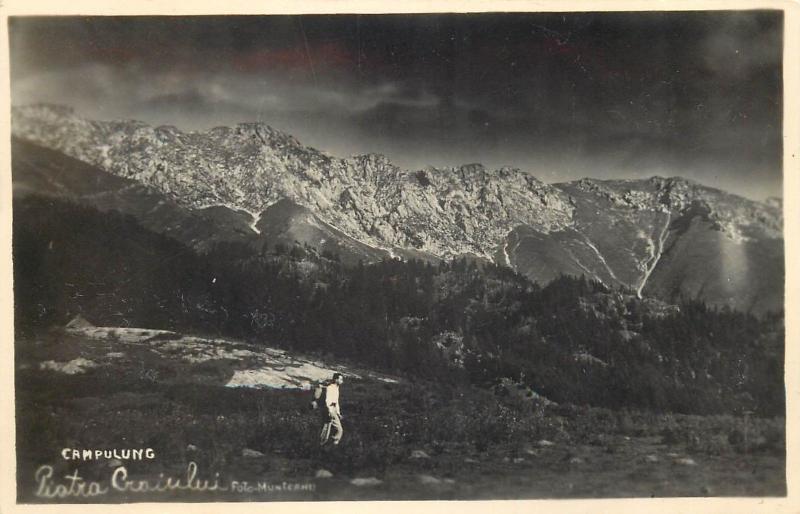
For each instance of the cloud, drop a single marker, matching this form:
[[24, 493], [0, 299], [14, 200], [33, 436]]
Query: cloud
[[741, 47], [688, 91], [136, 92]]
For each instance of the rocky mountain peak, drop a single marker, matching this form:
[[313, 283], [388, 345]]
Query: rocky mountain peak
[[611, 230], [267, 135], [370, 166], [472, 169], [445, 212]]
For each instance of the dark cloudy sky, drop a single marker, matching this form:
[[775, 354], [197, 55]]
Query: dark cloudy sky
[[606, 95]]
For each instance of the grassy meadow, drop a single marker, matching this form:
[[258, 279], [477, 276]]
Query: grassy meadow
[[411, 439]]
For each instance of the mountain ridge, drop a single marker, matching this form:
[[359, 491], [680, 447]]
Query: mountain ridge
[[506, 216]]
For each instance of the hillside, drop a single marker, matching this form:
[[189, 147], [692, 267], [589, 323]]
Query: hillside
[[403, 440], [572, 341]]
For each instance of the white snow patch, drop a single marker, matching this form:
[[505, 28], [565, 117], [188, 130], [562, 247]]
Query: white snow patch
[[362, 482], [385, 379], [256, 219], [655, 255], [260, 367], [584, 268], [600, 256], [200, 350], [255, 215], [506, 257], [123, 334], [73, 367], [280, 377], [285, 373]]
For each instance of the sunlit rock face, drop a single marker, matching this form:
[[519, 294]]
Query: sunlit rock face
[[673, 238], [667, 237]]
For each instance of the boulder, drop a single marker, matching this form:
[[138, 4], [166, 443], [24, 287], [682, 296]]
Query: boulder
[[366, 482], [419, 454], [428, 480], [247, 452], [78, 323]]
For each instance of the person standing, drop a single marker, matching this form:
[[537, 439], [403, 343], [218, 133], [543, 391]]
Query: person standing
[[332, 412]]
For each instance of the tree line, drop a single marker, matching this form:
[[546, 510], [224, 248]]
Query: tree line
[[572, 340]]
